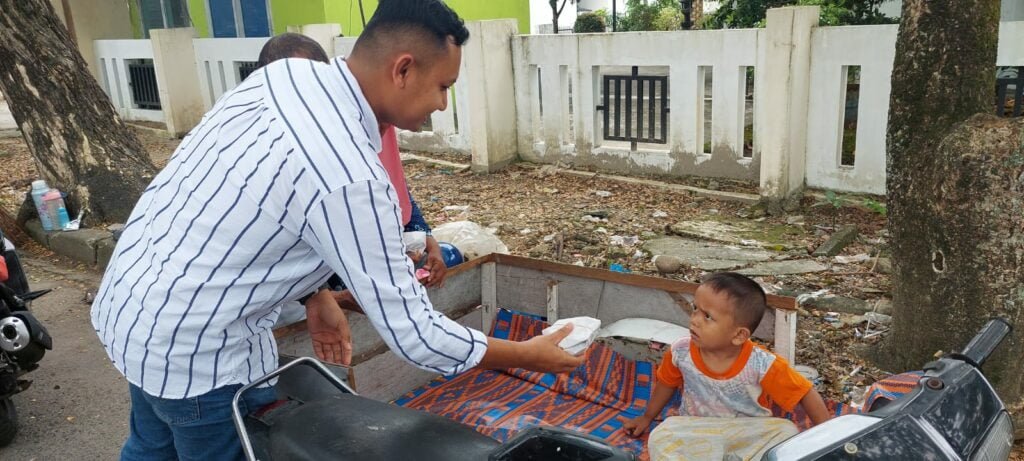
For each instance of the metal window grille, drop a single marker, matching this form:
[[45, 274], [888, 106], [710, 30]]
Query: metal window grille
[[142, 80], [1003, 86], [639, 118], [245, 68]]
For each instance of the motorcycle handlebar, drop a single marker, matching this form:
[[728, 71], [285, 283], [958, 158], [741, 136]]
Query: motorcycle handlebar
[[985, 342]]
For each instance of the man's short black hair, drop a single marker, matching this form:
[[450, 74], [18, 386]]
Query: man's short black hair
[[291, 45], [748, 299], [431, 19]]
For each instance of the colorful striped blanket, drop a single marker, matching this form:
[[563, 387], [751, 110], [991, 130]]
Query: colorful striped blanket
[[594, 399]]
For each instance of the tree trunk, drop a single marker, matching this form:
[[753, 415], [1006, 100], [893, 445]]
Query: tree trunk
[[955, 186], [79, 143], [12, 230], [697, 14]]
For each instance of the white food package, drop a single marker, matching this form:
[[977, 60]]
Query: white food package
[[583, 333], [415, 242]]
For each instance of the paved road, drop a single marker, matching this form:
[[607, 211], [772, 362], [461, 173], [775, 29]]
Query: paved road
[[77, 407]]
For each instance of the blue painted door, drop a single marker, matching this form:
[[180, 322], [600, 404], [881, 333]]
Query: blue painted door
[[255, 20], [222, 18], [152, 15]]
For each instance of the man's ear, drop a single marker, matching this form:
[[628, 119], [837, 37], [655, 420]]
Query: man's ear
[[741, 336], [401, 68]]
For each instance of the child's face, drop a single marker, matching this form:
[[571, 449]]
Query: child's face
[[712, 324]]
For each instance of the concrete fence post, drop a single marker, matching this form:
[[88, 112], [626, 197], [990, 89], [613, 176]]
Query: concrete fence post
[[174, 60], [492, 100], [783, 104]]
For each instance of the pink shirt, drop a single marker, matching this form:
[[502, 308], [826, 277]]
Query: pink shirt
[[392, 162]]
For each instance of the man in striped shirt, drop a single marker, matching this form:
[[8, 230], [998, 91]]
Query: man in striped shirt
[[276, 188]]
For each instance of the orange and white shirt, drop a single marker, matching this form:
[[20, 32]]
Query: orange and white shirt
[[757, 378]]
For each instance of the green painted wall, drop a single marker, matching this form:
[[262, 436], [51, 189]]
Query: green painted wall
[[346, 12], [473, 10], [286, 13], [197, 12], [136, 19]]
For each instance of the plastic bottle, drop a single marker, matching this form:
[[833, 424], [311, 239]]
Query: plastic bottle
[[39, 189], [62, 217], [53, 202]]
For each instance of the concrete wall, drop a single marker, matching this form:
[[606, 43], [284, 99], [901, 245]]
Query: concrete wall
[[831, 56], [584, 59], [181, 101], [112, 58], [95, 20], [217, 61], [798, 98], [790, 150]]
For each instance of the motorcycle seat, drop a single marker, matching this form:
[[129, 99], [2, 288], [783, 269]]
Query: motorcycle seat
[[349, 427]]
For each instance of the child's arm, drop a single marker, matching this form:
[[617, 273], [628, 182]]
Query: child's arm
[[814, 405], [659, 398]]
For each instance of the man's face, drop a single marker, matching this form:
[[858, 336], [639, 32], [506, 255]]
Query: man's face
[[426, 88]]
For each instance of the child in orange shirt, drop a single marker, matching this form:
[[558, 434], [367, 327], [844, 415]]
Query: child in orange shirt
[[724, 376]]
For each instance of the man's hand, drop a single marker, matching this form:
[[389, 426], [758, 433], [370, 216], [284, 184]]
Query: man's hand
[[328, 328], [637, 426], [435, 264], [544, 355]]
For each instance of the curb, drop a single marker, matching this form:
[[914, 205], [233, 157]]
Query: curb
[[89, 246], [749, 199]]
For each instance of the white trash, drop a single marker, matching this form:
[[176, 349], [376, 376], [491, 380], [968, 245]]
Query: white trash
[[470, 238]]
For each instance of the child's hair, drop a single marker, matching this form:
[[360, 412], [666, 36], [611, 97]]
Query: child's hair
[[291, 45], [748, 298]]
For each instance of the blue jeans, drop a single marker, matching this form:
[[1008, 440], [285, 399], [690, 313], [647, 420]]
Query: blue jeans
[[197, 428]]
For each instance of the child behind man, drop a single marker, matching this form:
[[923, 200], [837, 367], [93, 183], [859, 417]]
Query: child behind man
[[727, 381]]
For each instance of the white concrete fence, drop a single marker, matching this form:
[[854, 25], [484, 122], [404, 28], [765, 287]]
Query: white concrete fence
[[537, 97]]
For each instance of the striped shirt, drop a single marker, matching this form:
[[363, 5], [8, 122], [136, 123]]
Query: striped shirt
[[276, 188]]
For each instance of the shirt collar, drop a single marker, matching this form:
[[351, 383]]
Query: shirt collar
[[366, 115]]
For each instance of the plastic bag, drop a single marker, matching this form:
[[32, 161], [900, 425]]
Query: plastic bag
[[470, 238]]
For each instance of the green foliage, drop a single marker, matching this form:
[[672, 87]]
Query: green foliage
[[835, 201], [876, 207], [589, 23], [669, 18], [734, 14], [643, 15]]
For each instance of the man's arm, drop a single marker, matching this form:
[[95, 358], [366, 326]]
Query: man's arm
[[356, 230]]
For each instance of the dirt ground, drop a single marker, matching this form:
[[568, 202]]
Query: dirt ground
[[533, 209]]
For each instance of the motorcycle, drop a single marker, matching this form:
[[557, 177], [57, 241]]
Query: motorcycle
[[23, 338], [952, 414], [321, 417]]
